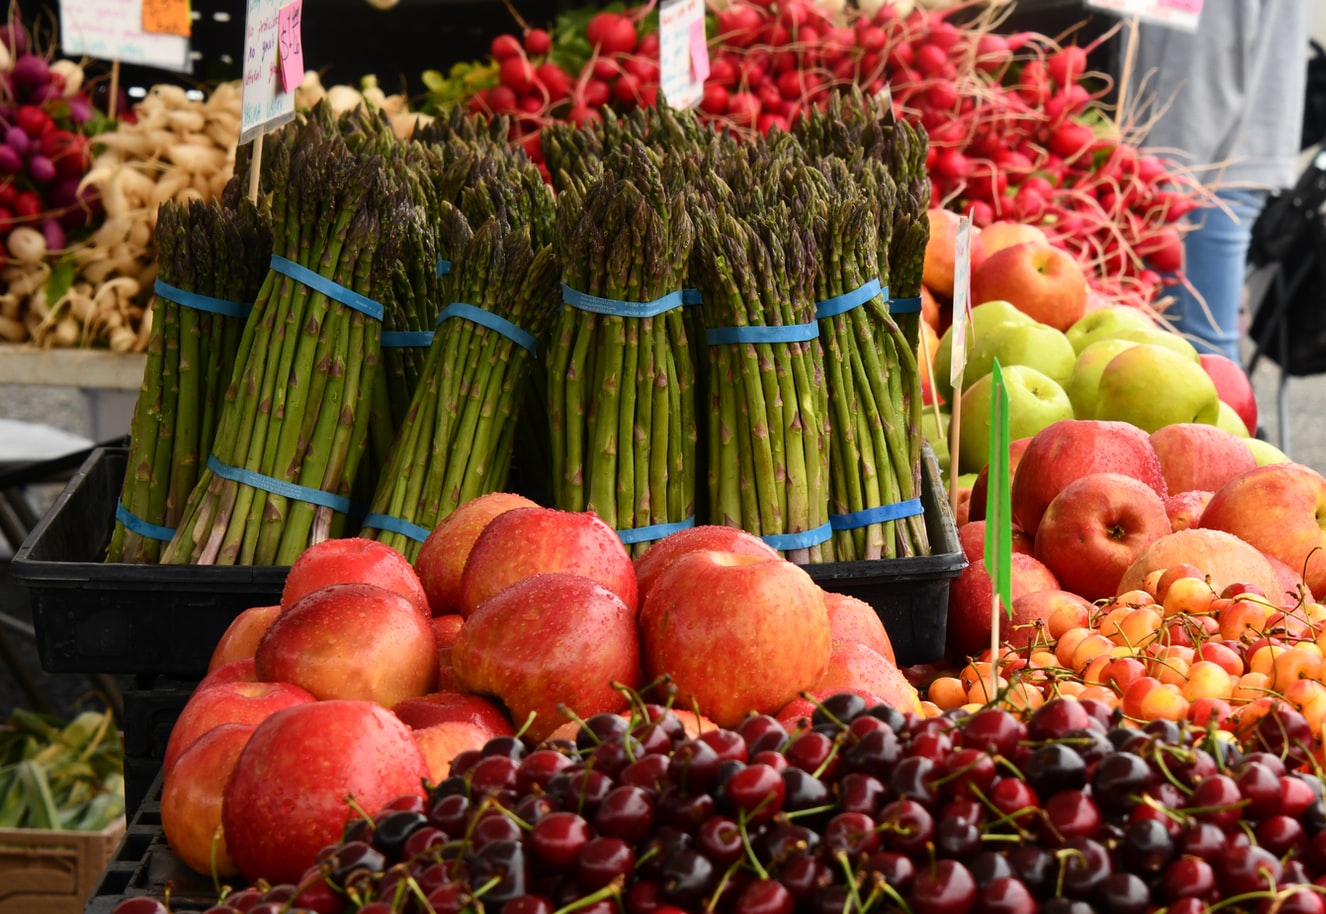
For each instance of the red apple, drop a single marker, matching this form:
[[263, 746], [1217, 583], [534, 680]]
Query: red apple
[[191, 799], [228, 703], [1281, 510], [1291, 582], [1095, 528], [1032, 612], [980, 489], [353, 560], [1184, 509], [440, 707], [970, 595], [937, 269], [241, 637], [441, 558], [245, 670], [288, 796], [1232, 386], [549, 640], [796, 714], [853, 619], [1004, 234], [1039, 279], [1074, 448], [1221, 556], [737, 633], [971, 535], [443, 741], [446, 629], [355, 641], [1198, 456], [717, 538], [523, 542], [853, 666]]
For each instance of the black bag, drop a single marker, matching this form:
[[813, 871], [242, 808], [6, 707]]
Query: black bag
[[1314, 100], [1289, 324]]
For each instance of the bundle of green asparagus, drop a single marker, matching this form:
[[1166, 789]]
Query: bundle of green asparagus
[[295, 421], [768, 451], [620, 372], [457, 438], [211, 258]]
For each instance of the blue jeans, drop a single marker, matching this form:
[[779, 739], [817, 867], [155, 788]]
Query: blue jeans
[[1215, 252]]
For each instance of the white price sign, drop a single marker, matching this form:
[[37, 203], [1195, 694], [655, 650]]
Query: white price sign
[[1176, 14], [112, 30], [263, 105], [683, 52]]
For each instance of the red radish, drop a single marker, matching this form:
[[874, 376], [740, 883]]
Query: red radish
[[1163, 251], [874, 39], [723, 71], [504, 47], [642, 68], [789, 84], [554, 80], [770, 98], [945, 35], [596, 93], [769, 122], [27, 204], [502, 99], [537, 42], [1072, 139], [775, 36], [744, 109], [942, 96], [992, 52], [951, 163], [648, 46], [621, 37], [648, 95], [605, 68], [793, 14], [714, 101], [600, 24], [581, 113], [517, 74], [627, 89], [531, 104], [1066, 65], [783, 61], [739, 25]]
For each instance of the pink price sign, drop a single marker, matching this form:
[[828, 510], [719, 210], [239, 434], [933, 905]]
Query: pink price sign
[[290, 45], [699, 51]]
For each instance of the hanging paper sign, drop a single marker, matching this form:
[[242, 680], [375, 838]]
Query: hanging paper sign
[[263, 106], [290, 45], [113, 30], [167, 17], [961, 300], [679, 62], [1176, 14]]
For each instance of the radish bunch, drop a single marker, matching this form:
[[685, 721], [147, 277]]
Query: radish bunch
[[44, 114], [1017, 126]]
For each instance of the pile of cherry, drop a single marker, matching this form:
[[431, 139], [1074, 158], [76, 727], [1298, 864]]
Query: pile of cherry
[[863, 809]]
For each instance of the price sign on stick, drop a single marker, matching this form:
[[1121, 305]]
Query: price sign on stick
[[998, 517], [263, 106], [1176, 14], [167, 17], [113, 30], [290, 44], [961, 328], [683, 52]]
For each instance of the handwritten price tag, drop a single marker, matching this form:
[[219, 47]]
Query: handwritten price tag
[[699, 51], [167, 17], [678, 64], [116, 30], [290, 44], [1176, 14], [263, 105]]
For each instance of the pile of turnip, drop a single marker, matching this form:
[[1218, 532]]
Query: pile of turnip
[[1018, 126]]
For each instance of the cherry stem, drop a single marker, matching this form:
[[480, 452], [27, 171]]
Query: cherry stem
[[611, 890], [748, 849]]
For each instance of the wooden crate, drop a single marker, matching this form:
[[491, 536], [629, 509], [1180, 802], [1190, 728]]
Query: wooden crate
[[52, 872]]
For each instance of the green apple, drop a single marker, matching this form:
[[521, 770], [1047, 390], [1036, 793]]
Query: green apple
[[1158, 337], [1230, 421], [1085, 382], [934, 426], [1034, 402], [1265, 453], [1152, 386], [1037, 345], [984, 318], [1106, 323]]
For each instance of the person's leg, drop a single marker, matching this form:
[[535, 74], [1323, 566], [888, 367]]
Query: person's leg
[[1215, 252]]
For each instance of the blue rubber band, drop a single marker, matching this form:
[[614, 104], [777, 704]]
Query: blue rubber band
[[522, 338], [840, 304], [393, 524], [878, 515], [135, 524], [653, 531], [788, 333], [186, 299], [405, 339], [443, 266], [333, 290], [583, 301], [804, 540], [691, 297], [291, 490], [905, 305]]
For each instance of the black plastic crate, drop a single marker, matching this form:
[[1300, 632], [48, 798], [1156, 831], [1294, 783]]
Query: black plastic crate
[[144, 865], [149, 716], [910, 595], [95, 617]]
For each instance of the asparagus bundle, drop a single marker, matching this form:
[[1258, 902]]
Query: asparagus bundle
[[620, 375], [768, 452], [295, 420], [456, 441], [211, 260]]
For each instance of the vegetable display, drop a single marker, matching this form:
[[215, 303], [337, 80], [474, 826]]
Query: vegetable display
[[62, 776]]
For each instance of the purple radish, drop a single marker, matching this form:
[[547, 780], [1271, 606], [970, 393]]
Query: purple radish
[[41, 169], [17, 139], [11, 163]]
